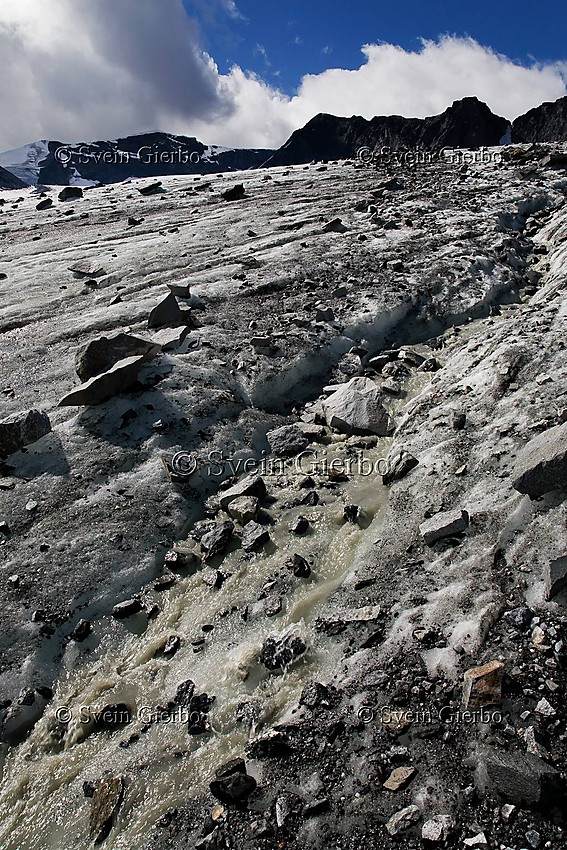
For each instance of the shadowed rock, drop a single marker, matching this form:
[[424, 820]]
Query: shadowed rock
[[22, 429], [102, 387], [356, 408], [102, 353], [541, 466]]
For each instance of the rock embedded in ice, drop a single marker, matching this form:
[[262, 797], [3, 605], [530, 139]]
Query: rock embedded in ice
[[101, 354], [166, 314], [127, 609], [356, 408], [541, 466], [151, 188], [70, 192], [168, 339], [398, 464], [555, 575], [118, 379], [44, 205], [234, 193], [444, 524], [483, 685], [22, 429], [335, 226]]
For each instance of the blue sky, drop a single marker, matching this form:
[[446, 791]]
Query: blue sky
[[283, 41]]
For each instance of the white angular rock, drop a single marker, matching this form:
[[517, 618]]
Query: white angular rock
[[356, 408], [444, 524]]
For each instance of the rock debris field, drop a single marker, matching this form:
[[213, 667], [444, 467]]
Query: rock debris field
[[283, 518]]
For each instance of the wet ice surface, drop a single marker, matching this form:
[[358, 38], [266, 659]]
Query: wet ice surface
[[107, 511]]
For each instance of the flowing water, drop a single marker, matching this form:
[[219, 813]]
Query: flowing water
[[42, 804]]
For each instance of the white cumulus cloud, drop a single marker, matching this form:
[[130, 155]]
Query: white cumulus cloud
[[78, 70]]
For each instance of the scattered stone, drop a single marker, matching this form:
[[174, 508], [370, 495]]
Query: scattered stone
[[86, 268], [171, 646], [351, 513], [479, 840], [555, 576], [391, 387], [438, 829], [254, 536], [402, 820], [168, 339], [101, 354], [287, 440], [398, 464], [545, 709], [213, 578], [274, 744], [356, 408], [151, 188], [508, 811], [316, 807], [399, 778], [166, 314], [533, 838], [315, 695], [541, 466], [279, 653], [243, 509], [520, 617], [324, 315], [235, 193], [127, 609], [458, 420], [82, 630], [119, 379], [44, 205], [70, 192], [22, 429], [252, 485], [273, 605], [444, 524], [215, 542], [299, 526], [106, 800], [335, 226], [522, 779], [412, 358], [299, 567], [233, 789], [181, 290], [483, 685]]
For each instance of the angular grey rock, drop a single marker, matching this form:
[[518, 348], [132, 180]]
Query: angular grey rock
[[101, 388], [86, 268], [273, 605], [166, 314], [22, 429], [234, 193], [170, 338], [287, 440], [233, 789], [254, 536], [215, 542], [44, 205], [70, 192], [412, 358], [402, 820], [243, 509], [324, 315], [252, 485], [444, 524], [127, 609], [356, 408], [101, 354], [335, 226], [522, 779], [398, 464], [541, 466], [151, 188], [181, 290], [555, 576]]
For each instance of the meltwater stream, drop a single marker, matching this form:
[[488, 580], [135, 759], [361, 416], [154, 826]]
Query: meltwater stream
[[42, 804]]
